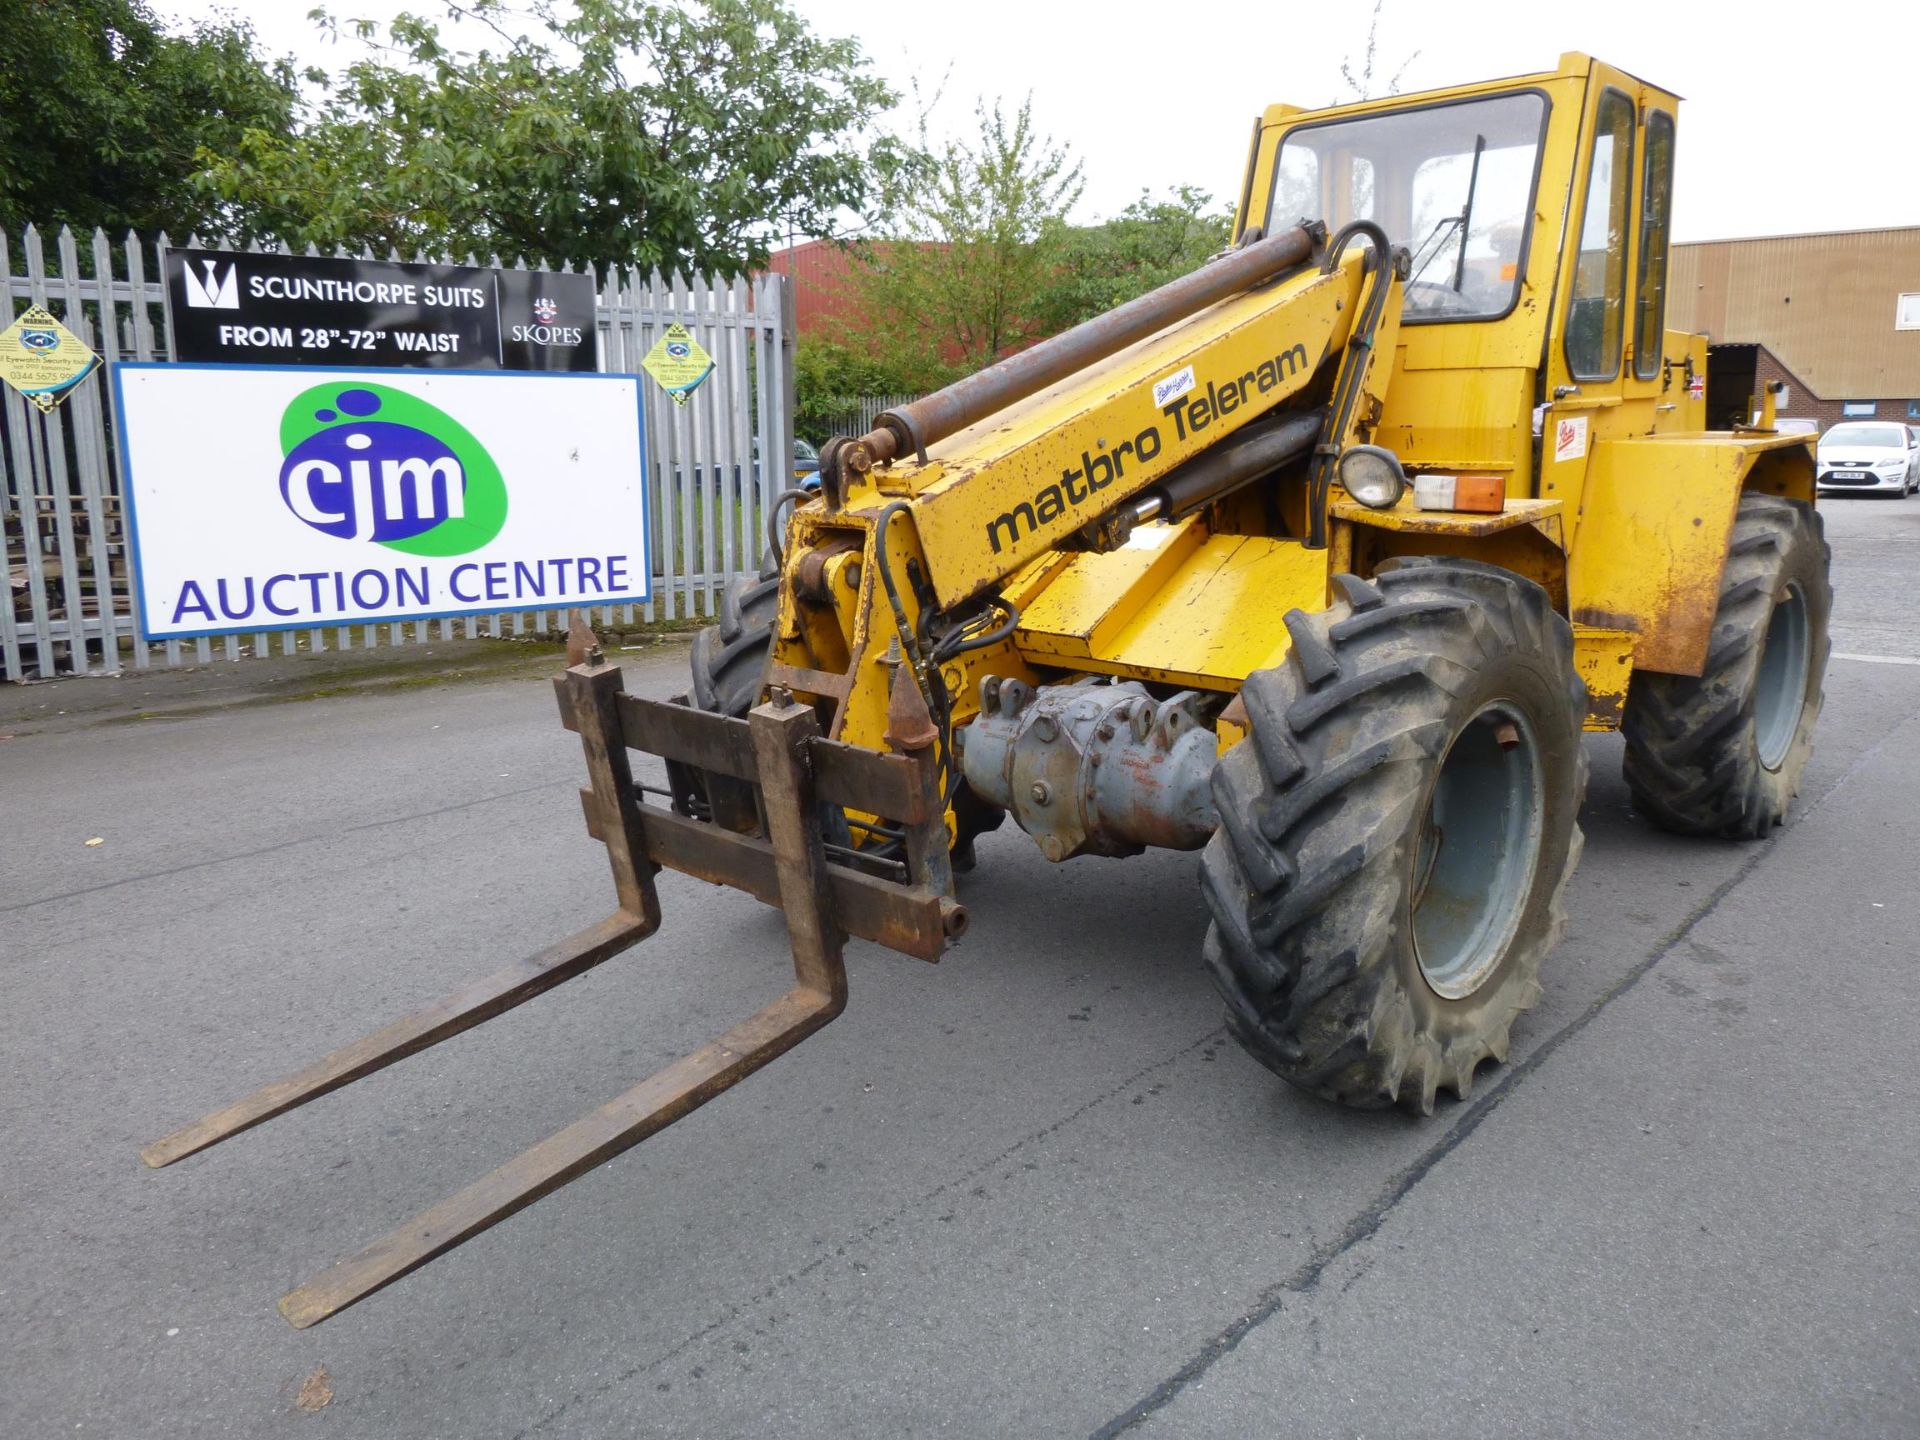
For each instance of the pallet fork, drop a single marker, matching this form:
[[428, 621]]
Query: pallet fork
[[779, 749]]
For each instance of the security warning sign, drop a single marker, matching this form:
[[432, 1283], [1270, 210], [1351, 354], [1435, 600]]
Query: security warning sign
[[42, 359], [678, 363]]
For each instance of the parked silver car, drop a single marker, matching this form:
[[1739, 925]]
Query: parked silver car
[[1869, 456]]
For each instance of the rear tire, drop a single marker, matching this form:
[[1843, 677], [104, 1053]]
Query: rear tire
[[1722, 753], [729, 660], [729, 665], [1396, 833]]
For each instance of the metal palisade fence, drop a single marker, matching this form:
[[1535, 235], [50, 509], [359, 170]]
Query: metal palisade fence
[[68, 607], [860, 411]]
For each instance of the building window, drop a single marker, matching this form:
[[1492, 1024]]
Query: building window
[[1851, 408], [1913, 409], [1906, 315]]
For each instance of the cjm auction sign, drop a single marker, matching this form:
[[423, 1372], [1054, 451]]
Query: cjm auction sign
[[249, 309], [269, 499]]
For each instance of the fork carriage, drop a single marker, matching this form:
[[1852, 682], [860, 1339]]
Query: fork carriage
[[778, 857]]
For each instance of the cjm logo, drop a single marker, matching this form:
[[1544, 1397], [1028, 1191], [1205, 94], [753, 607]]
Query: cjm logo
[[413, 492], [373, 463], [214, 287]]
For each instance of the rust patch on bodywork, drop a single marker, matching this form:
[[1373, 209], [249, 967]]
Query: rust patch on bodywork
[[1657, 514]]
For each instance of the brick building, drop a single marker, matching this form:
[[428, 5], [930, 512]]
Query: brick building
[[1835, 316], [824, 301], [827, 301]]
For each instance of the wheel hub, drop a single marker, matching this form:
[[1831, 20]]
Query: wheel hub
[[1780, 690], [1479, 847]]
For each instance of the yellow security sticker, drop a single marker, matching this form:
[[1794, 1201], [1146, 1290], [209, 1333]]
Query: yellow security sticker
[[678, 363], [42, 359]]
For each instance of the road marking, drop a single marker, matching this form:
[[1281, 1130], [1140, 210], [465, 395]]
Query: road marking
[[1879, 659]]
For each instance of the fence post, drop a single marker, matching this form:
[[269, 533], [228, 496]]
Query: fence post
[[789, 339]]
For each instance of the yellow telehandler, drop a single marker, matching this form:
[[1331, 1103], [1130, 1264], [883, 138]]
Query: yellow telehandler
[[1318, 560]]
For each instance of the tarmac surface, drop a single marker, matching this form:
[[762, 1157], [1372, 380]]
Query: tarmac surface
[[1034, 1190]]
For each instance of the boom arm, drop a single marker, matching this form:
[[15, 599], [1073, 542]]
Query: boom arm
[[1145, 412]]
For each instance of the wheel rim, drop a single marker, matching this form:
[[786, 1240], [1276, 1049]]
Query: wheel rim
[[1479, 847], [1780, 692]]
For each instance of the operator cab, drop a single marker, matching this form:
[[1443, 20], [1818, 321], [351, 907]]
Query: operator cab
[[1536, 213]]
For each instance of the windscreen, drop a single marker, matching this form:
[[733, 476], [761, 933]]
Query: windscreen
[[1865, 437], [1453, 183]]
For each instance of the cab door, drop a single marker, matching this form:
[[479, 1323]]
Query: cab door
[[1605, 370], [1654, 383]]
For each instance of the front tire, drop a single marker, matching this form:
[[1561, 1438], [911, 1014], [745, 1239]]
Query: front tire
[[1397, 831], [1722, 753]]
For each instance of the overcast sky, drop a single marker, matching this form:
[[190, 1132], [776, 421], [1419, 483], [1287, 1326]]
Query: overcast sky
[[1798, 117]]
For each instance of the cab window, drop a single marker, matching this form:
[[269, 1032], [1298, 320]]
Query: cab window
[[1656, 205], [1454, 183], [1597, 310]]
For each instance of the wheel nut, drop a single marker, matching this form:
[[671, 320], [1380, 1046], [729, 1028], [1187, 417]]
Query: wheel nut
[[1041, 794], [1507, 734]]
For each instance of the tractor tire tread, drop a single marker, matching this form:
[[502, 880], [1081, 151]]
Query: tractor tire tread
[[1691, 763], [1316, 812]]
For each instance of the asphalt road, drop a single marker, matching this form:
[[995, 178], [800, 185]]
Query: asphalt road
[[1031, 1191]]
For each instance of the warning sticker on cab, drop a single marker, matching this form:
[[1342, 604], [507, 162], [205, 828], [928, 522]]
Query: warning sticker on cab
[[1570, 438]]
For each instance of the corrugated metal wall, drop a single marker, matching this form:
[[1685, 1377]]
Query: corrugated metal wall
[[1824, 304]]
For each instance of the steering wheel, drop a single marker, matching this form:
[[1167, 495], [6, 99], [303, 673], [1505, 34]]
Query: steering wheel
[[1426, 297]]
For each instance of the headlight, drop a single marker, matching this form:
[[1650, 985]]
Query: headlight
[[1896, 463], [1372, 475]]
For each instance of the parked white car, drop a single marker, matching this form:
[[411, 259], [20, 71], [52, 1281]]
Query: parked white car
[[1869, 456]]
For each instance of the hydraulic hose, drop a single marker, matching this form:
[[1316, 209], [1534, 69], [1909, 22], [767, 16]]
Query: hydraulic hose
[[1382, 263]]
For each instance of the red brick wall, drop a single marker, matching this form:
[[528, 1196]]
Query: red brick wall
[[823, 298], [1803, 404]]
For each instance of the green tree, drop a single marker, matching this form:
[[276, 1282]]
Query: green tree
[[613, 130], [1151, 242], [103, 113], [957, 281], [830, 377]]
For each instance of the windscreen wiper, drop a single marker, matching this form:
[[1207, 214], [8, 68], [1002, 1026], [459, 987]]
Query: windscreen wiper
[[1466, 214], [1423, 257]]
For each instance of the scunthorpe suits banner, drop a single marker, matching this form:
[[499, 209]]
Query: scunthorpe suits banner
[[266, 498]]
